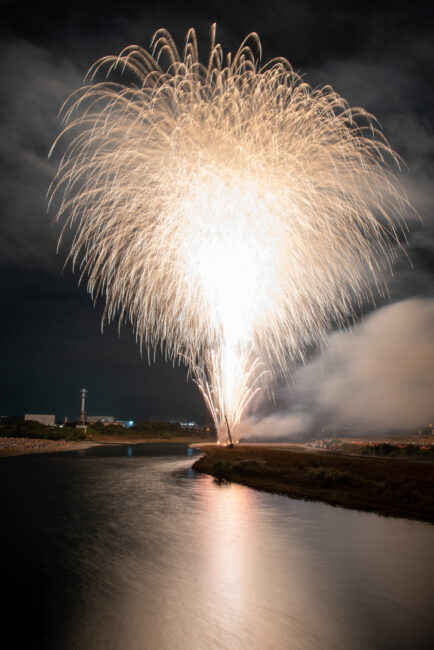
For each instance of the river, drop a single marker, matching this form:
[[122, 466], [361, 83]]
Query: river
[[127, 548]]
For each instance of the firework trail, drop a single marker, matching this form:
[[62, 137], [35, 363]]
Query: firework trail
[[228, 210]]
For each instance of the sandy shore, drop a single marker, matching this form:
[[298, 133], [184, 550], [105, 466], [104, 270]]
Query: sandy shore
[[24, 446]]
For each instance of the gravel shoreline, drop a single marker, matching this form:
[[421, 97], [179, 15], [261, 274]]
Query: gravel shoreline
[[19, 446]]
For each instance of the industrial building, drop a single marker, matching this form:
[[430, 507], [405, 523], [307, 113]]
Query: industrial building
[[109, 420], [104, 419], [48, 420], [173, 419]]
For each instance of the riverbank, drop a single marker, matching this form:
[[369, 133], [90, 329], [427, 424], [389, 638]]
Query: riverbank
[[10, 446], [398, 488], [18, 446]]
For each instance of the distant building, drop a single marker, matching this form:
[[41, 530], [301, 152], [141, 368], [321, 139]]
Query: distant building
[[127, 424], [109, 420], [104, 419], [174, 419], [48, 420]]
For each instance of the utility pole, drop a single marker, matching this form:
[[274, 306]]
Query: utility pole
[[83, 393]]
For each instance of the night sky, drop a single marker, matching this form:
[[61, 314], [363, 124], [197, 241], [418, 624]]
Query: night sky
[[378, 55]]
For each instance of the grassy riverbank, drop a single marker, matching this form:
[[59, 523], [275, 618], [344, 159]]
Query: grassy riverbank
[[399, 488], [149, 432]]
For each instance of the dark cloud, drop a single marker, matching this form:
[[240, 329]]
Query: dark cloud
[[37, 84]]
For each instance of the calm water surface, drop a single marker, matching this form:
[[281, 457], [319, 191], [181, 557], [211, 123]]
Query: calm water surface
[[126, 548]]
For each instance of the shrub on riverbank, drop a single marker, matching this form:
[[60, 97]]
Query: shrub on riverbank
[[330, 477], [163, 430], [31, 429], [391, 450], [158, 428], [152, 431], [247, 466]]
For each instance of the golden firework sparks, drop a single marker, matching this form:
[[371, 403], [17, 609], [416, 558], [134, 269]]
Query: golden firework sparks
[[228, 210]]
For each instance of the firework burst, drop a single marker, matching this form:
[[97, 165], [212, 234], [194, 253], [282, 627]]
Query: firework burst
[[228, 210]]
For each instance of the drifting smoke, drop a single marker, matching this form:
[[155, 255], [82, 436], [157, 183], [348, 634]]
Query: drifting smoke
[[377, 378], [228, 210]]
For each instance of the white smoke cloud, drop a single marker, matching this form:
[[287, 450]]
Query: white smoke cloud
[[377, 377], [281, 425]]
